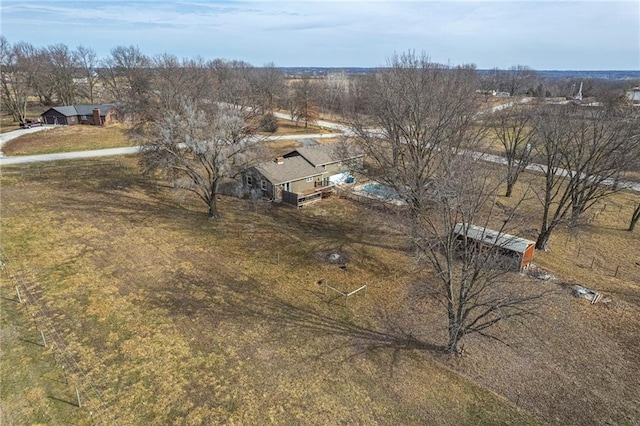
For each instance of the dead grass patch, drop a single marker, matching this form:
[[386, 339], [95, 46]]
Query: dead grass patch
[[69, 138], [289, 127]]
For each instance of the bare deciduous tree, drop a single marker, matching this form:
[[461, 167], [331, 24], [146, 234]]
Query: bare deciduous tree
[[512, 127], [37, 63], [88, 62], [14, 81], [175, 80], [519, 79], [126, 77], [306, 108], [417, 116], [332, 92], [197, 149], [63, 67], [269, 85], [584, 150], [235, 88], [473, 281], [418, 129]]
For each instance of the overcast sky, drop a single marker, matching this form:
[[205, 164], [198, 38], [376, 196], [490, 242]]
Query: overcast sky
[[543, 34]]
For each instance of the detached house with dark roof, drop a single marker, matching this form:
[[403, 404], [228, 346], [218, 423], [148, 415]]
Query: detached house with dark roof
[[96, 115], [305, 174]]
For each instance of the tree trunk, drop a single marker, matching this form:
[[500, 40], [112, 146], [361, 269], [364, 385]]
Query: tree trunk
[[576, 212], [542, 243], [213, 208], [454, 337], [213, 202], [509, 188], [634, 218]]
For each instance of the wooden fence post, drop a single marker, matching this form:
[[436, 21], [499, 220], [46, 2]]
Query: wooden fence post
[[19, 297], [44, 341], [78, 397], [616, 274]]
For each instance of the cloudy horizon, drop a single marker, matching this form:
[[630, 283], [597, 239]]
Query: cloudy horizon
[[544, 35]]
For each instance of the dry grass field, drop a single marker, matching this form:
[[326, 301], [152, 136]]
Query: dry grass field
[[174, 318], [288, 127], [69, 138], [177, 319]]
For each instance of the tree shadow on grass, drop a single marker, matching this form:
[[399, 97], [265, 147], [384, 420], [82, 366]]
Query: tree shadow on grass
[[248, 303]]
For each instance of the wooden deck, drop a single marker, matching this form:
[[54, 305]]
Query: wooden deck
[[306, 197]]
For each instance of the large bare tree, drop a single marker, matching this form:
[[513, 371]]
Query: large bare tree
[[419, 130], [268, 82], [63, 72], [175, 80], [197, 147], [304, 101], [474, 282], [88, 63], [14, 80], [584, 152], [417, 116], [235, 87], [127, 78], [513, 128]]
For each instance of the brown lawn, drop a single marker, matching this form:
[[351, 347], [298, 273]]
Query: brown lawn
[[175, 318], [69, 138]]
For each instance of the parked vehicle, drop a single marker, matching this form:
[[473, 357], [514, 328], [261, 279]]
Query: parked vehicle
[[29, 124]]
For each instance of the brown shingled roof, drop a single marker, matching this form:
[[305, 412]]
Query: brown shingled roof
[[320, 155], [292, 169], [304, 162]]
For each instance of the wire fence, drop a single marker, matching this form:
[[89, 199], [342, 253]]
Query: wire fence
[[87, 396], [586, 258]]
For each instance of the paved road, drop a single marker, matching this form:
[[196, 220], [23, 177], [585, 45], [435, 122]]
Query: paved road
[[6, 137], [25, 159], [5, 161], [539, 168], [322, 123]]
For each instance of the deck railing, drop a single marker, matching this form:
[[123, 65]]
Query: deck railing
[[299, 200]]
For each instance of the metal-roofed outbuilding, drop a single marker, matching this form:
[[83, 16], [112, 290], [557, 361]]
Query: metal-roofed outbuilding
[[521, 248]]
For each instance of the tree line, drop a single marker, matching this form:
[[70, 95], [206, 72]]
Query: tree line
[[59, 75]]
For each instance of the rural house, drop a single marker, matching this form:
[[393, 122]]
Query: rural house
[[305, 174], [96, 115], [634, 95], [517, 251]]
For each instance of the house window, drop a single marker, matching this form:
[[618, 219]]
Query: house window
[[263, 184], [249, 181], [83, 117], [310, 179]]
